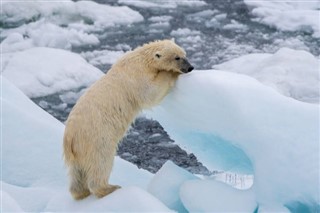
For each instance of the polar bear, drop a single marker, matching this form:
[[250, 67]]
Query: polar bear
[[101, 117]]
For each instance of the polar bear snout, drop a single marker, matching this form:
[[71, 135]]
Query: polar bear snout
[[186, 66], [190, 68]]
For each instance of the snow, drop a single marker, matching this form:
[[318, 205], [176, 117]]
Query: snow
[[43, 71], [8, 203], [161, 4], [277, 134], [288, 15], [64, 24], [34, 178], [293, 73], [131, 199]]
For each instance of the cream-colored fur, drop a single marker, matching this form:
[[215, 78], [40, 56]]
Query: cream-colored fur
[[99, 120]]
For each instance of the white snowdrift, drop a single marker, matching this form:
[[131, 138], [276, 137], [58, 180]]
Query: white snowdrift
[[279, 135], [63, 24], [288, 15], [34, 178], [293, 73], [44, 71]]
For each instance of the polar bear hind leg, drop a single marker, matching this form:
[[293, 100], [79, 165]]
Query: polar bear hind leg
[[79, 187]]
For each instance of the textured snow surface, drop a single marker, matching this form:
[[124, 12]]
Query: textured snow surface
[[293, 73], [288, 15], [279, 135], [44, 71]]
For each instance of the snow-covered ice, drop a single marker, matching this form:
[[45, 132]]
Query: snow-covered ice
[[294, 73], [44, 34], [43, 71], [288, 15], [68, 12], [279, 135], [63, 24]]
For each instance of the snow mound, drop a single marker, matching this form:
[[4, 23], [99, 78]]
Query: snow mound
[[279, 135], [165, 185], [293, 73], [161, 4], [289, 15], [63, 24], [43, 71]]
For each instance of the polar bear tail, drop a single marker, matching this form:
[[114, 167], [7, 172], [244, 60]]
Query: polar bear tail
[[68, 151]]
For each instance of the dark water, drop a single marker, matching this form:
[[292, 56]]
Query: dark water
[[207, 41]]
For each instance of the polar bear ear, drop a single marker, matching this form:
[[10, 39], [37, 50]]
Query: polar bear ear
[[158, 55]]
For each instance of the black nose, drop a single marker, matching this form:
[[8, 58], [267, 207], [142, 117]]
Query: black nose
[[190, 69]]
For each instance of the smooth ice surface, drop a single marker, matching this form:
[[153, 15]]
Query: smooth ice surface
[[293, 73], [288, 15], [43, 71], [213, 196], [166, 183], [34, 178], [279, 135]]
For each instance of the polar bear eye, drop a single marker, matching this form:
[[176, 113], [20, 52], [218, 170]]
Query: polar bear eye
[[177, 58], [158, 55]]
